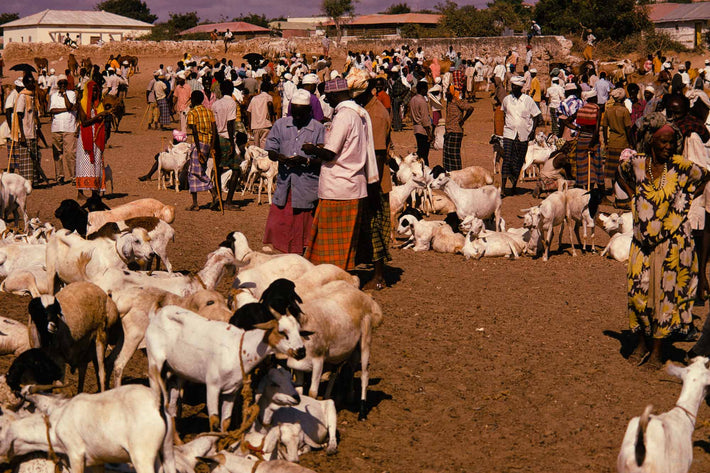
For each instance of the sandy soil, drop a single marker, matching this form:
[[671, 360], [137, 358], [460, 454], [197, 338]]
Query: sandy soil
[[490, 365]]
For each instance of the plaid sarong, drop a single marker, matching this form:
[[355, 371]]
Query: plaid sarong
[[164, 109], [196, 176], [452, 151], [612, 162], [23, 159], [376, 229], [583, 162], [514, 152], [335, 233]]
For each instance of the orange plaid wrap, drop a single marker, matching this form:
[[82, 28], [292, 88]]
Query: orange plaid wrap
[[335, 233]]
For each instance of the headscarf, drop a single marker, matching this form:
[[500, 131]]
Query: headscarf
[[435, 68], [618, 94], [96, 133], [358, 81], [650, 124]]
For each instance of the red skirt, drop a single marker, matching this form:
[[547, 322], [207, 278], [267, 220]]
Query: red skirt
[[288, 229]]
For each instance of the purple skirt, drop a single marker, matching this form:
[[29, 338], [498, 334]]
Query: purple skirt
[[287, 229]]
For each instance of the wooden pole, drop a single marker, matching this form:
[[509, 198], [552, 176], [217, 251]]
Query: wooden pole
[[144, 115], [9, 158], [216, 181], [589, 171]]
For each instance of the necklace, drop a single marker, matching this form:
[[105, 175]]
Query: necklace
[[662, 182]]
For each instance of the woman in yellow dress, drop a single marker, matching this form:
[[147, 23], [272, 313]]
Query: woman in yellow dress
[[663, 267]]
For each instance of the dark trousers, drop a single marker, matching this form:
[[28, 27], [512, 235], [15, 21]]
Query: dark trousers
[[396, 115], [423, 147]]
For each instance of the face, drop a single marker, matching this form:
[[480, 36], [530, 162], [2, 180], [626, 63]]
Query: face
[[663, 146], [29, 83], [516, 90], [648, 95], [286, 338], [62, 85], [675, 109], [301, 114]]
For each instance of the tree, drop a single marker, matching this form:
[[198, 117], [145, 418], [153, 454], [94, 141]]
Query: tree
[[130, 8], [467, 20], [7, 18], [183, 21], [336, 10], [254, 19], [398, 8], [613, 19]]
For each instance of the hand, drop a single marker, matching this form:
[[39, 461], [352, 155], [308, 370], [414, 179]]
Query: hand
[[297, 160], [309, 148], [201, 158]]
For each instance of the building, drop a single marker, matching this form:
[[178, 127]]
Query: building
[[378, 25], [241, 29], [84, 27], [686, 23], [300, 27]]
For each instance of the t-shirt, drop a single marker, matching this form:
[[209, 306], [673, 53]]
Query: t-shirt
[[64, 122], [25, 104], [617, 118], [420, 114], [160, 89], [224, 109], [182, 97], [344, 178], [260, 111]]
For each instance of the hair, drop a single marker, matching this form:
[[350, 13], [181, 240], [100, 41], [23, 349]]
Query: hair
[[226, 87], [602, 75], [197, 97], [422, 87]]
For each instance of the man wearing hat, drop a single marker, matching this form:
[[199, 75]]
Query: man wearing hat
[[261, 114], [288, 227], [310, 83], [521, 118], [289, 88], [555, 95], [349, 165], [62, 108], [181, 100], [152, 110]]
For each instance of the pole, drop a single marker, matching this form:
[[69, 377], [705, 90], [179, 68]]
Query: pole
[[9, 159], [589, 171], [144, 115], [216, 181]]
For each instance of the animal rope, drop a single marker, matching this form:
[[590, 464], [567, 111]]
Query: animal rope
[[51, 454]]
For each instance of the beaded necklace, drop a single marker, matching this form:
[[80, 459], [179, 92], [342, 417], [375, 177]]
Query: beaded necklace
[[662, 182]]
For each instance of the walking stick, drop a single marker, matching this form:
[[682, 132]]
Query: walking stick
[[216, 181], [9, 159], [589, 171], [144, 115]]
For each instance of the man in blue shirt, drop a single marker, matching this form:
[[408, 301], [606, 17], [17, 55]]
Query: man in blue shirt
[[288, 226], [603, 88]]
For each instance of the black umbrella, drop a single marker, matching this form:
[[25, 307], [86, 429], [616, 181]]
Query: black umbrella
[[24, 67], [253, 57]]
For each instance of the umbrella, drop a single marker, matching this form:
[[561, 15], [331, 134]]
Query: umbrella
[[253, 57], [24, 67]]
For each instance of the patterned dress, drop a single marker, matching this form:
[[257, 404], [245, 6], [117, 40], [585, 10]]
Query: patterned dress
[[662, 271]]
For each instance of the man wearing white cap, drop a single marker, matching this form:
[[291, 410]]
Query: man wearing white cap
[[288, 226], [52, 82], [10, 102], [521, 118], [289, 88], [555, 95], [62, 107], [310, 83]]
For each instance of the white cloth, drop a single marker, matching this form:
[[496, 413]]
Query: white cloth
[[499, 71], [64, 122], [519, 114], [225, 110], [11, 99], [289, 89], [556, 94]]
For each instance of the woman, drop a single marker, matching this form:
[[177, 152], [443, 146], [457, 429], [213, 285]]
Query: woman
[[590, 166], [662, 271], [91, 142], [616, 124]]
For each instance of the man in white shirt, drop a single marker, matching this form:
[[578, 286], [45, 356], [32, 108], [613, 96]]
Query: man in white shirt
[[52, 82], [62, 107], [555, 96], [289, 88], [261, 114], [113, 82], [522, 116], [499, 72], [11, 99], [225, 116]]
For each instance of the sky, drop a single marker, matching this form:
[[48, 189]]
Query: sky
[[229, 8]]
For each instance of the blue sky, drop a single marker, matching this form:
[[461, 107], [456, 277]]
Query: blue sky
[[229, 8]]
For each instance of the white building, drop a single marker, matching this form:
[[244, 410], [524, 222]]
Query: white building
[[686, 23], [84, 27]]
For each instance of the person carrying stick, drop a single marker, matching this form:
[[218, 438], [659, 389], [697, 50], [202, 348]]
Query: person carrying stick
[[204, 132]]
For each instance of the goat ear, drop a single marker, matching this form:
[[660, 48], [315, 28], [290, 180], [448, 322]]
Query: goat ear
[[305, 334], [676, 370]]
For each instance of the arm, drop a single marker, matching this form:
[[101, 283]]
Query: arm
[[230, 130]]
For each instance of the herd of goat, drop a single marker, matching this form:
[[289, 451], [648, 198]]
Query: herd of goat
[[96, 298]]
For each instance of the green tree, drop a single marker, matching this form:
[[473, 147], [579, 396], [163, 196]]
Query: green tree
[[183, 21], [398, 8], [613, 19], [336, 10], [7, 18], [135, 9], [467, 20], [254, 19]]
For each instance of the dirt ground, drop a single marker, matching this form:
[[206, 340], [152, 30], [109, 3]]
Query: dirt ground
[[490, 365]]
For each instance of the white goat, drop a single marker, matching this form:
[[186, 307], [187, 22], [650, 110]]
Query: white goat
[[19, 256], [620, 228], [665, 442], [493, 244], [121, 425], [399, 195], [578, 202], [484, 202], [171, 163], [204, 351], [137, 208], [14, 338], [226, 462], [543, 218], [539, 151], [262, 168], [14, 190]]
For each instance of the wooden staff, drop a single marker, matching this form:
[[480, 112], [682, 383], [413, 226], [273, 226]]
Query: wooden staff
[[216, 180], [144, 115], [9, 159], [589, 170]]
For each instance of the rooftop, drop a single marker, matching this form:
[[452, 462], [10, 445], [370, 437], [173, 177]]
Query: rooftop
[[76, 18], [233, 26], [673, 12], [401, 19]]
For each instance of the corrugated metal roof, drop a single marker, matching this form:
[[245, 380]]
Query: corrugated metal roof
[[76, 18], [657, 11], [401, 19], [234, 27], [687, 12], [293, 25]]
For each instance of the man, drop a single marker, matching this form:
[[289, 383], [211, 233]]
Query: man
[[522, 117], [203, 128], [398, 94], [228, 36], [616, 128], [51, 82], [10, 102], [25, 149], [181, 100], [535, 87], [289, 88], [325, 42], [309, 83], [62, 108], [349, 164], [261, 114], [603, 88], [377, 227], [528, 56], [113, 82], [152, 111], [457, 112], [649, 94], [225, 116], [421, 119], [513, 57], [160, 89], [288, 227], [555, 96]]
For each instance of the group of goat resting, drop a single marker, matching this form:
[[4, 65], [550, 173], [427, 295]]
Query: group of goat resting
[[474, 226], [256, 168], [285, 318]]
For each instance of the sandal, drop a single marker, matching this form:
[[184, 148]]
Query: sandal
[[193, 208]]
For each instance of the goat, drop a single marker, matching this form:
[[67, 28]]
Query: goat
[[472, 177], [14, 190], [20, 256], [665, 442], [497, 142], [226, 462], [492, 244], [620, 228], [420, 232], [138, 208], [257, 278], [171, 162], [261, 167], [542, 219], [186, 345], [34, 366], [68, 324], [31, 280], [539, 151], [582, 208], [121, 425], [14, 338], [399, 194], [484, 202]]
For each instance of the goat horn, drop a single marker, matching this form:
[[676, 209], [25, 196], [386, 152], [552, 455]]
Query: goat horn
[[276, 315], [37, 388]]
